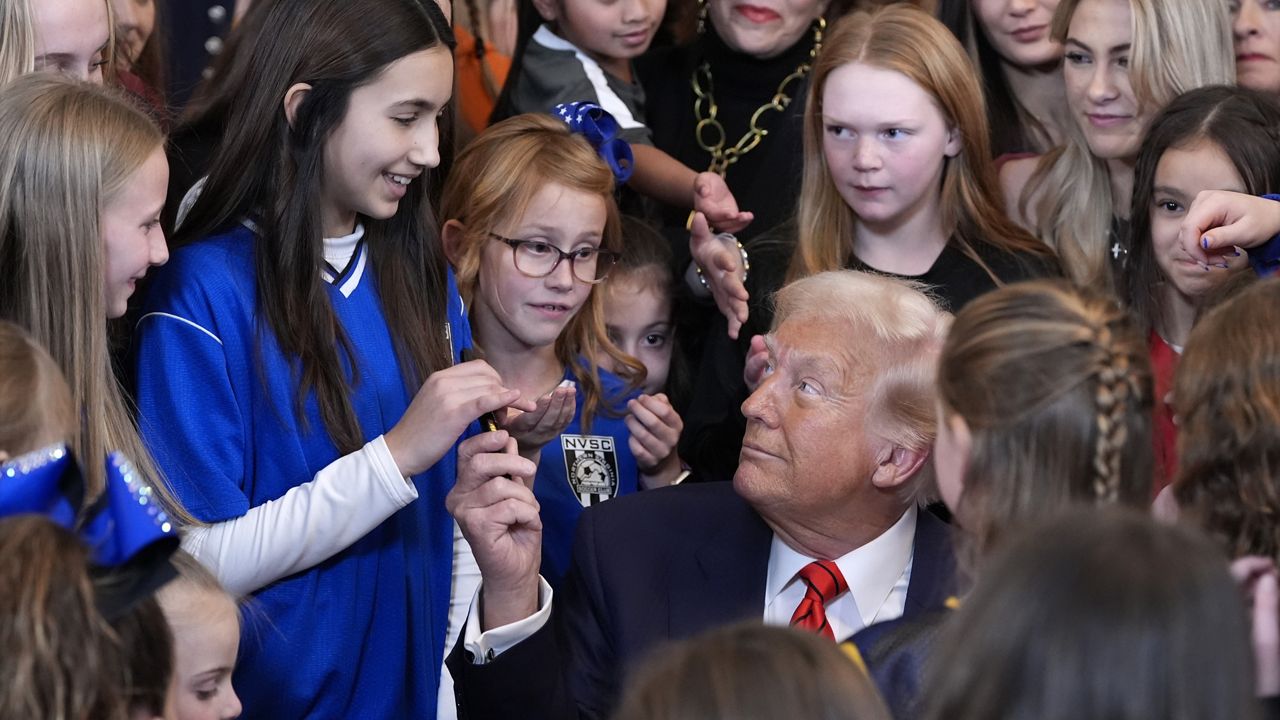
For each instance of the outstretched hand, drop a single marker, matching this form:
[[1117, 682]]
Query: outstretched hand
[[722, 268], [712, 198]]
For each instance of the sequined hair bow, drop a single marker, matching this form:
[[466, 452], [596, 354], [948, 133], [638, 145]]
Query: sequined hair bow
[[601, 130]]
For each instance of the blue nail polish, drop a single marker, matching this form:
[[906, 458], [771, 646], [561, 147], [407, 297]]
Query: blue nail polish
[[1235, 253], [1204, 242]]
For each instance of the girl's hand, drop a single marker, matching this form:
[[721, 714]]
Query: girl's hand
[[1256, 577], [655, 429], [497, 512], [552, 414], [449, 401], [1219, 221], [757, 361], [712, 198], [721, 265]]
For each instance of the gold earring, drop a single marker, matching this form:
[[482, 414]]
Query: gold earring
[[818, 30], [702, 16]]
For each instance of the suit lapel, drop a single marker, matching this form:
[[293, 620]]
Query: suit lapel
[[723, 580], [933, 569]]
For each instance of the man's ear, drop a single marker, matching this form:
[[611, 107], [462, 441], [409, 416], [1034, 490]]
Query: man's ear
[[897, 466], [548, 9], [451, 238], [293, 98]]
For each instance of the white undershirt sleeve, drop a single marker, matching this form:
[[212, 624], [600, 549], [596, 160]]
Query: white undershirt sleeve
[[307, 525]]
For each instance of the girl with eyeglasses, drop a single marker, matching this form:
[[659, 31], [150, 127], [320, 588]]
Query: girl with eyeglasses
[[532, 230]]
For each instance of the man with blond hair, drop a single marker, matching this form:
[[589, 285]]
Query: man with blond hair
[[819, 529]]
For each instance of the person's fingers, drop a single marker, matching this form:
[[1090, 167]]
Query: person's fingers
[[659, 417], [644, 459], [652, 444], [1246, 569], [487, 442]]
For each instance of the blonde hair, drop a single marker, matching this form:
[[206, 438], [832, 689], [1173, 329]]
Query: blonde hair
[[493, 180], [193, 578], [18, 40], [906, 40], [69, 148], [897, 325], [1055, 387], [36, 408], [1176, 47]]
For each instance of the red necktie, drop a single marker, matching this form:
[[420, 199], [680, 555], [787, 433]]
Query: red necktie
[[823, 582]]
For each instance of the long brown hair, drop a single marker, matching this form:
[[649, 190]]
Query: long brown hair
[[69, 148], [907, 40], [59, 661], [493, 181], [1227, 399], [271, 172], [1097, 615], [1055, 387]]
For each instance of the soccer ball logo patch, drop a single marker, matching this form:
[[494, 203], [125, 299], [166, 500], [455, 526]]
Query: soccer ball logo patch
[[591, 465]]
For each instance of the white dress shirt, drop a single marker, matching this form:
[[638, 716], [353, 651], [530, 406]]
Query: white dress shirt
[[878, 574]]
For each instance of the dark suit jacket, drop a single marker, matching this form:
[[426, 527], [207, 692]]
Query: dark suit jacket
[[650, 567]]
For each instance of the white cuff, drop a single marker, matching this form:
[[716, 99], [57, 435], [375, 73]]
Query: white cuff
[[485, 646]]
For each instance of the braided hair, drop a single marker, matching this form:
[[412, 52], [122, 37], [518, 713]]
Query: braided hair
[[1054, 385]]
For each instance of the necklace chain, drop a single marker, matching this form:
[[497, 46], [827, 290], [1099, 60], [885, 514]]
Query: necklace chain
[[711, 135]]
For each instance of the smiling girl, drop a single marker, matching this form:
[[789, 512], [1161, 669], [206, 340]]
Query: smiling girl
[[532, 231], [1214, 138], [296, 363], [1125, 60]]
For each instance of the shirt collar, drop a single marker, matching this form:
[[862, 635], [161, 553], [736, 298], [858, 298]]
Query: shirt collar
[[870, 570]]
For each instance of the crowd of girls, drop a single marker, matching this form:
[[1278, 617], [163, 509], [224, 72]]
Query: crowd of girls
[[267, 334]]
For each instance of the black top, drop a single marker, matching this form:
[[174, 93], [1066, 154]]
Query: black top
[[765, 181], [714, 423]]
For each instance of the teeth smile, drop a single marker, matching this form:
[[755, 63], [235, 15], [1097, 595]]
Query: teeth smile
[[399, 179]]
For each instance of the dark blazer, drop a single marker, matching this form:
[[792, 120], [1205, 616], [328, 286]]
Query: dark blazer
[[650, 567]]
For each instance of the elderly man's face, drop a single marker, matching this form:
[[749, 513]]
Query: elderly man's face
[[806, 447]]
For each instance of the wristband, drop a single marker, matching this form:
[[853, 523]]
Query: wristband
[[746, 261]]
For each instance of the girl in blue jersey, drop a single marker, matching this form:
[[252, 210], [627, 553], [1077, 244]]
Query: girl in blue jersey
[[295, 361], [531, 230]]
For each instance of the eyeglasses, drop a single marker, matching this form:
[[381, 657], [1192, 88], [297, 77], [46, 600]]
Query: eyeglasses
[[536, 258]]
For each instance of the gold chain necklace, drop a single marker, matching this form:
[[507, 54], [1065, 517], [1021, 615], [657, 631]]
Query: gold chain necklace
[[710, 134]]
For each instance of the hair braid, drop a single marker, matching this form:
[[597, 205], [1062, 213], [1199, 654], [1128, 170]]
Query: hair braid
[[1117, 388]]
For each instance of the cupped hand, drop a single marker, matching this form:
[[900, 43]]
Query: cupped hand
[[550, 416], [655, 429]]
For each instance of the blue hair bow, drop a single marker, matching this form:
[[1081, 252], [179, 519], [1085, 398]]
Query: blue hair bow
[[130, 538], [44, 482], [122, 524], [126, 521], [601, 130]]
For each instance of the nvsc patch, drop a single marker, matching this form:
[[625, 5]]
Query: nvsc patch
[[591, 465]]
